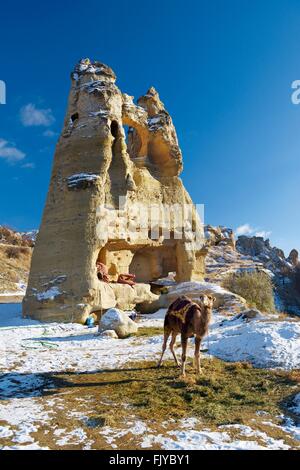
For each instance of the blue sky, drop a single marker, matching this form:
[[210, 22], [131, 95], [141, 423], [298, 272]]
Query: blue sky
[[223, 68]]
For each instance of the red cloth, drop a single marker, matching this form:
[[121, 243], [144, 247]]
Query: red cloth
[[126, 279], [102, 272]]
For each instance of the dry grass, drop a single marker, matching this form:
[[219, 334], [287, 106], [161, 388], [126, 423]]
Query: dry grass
[[227, 393], [149, 331], [13, 252], [10, 237], [15, 264], [255, 287]]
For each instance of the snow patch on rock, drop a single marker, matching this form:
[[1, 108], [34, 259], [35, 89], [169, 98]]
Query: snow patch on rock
[[49, 294]]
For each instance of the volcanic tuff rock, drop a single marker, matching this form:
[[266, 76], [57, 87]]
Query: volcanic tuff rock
[[293, 258], [253, 254], [246, 254], [273, 258], [219, 236], [94, 165]]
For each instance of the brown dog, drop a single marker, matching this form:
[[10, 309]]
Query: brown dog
[[187, 318]]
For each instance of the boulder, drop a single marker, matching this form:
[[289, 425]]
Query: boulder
[[226, 301], [119, 321], [249, 314], [128, 297], [108, 334]]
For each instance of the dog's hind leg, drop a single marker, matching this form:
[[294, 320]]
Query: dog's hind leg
[[173, 340], [166, 337]]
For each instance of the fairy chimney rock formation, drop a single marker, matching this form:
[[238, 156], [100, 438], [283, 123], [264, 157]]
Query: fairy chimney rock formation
[[101, 172]]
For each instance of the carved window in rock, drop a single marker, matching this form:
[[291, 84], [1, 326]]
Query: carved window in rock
[[74, 117], [150, 264], [133, 141], [114, 129]]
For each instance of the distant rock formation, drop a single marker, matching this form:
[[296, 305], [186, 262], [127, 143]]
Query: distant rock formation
[[218, 236], [273, 258], [293, 258], [253, 254], [224, 257], [95, 163]]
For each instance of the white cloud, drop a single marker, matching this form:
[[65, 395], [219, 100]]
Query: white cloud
[[28, 165], [49, 133], [263, 233], [32, 116], [10, 153], [245, 229]]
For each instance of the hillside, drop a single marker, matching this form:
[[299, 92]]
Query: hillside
[[15, 256], [253, 254]]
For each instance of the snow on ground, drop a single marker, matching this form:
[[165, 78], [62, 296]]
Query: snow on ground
[[6, 294], [10, 316], [288, 425], [21, 289], [198, 286], [29, 349], [63, 346], [155, 319], [186, 436], [271, 344], [295, 408], [264, 343], [59, 346], [24, 416]]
